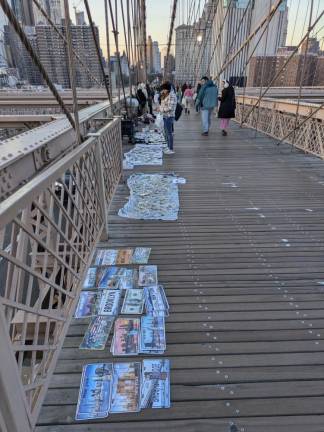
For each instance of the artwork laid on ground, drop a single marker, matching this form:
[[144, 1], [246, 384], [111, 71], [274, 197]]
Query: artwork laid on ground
[[152, 196], [126, 308]]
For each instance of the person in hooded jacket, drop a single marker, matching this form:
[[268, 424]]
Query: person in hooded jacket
[[206, 101], [227, 106]]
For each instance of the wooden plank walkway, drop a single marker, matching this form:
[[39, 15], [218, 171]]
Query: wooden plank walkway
[[243, 269]]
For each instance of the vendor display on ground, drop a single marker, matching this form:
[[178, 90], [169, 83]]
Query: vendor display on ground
[[152, 196]]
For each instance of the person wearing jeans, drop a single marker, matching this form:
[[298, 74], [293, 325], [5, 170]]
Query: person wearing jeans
[[168, 128], [207, 101], [167, 109]]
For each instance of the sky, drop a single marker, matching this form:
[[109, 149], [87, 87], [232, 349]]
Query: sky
[[159, 12]]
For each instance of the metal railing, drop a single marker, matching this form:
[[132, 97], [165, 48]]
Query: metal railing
[[277, 118], [48, 232]]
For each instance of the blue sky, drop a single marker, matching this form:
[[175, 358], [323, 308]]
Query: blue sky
[[159, 11]]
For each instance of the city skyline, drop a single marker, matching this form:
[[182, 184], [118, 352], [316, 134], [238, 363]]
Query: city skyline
[[158, 20]]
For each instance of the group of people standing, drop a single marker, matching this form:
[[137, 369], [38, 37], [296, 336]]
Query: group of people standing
[[167, 99], [206, 99]]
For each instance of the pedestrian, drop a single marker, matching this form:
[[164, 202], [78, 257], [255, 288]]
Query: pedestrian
[[150, 95], [179, 94], [184, 88], [141, 95], [206, 101], [188, 99], [227, 106], [167, 109]]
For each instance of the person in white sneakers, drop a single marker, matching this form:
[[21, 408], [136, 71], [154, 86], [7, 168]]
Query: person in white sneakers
[[167, 109]]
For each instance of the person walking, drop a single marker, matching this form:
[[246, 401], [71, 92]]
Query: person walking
[[207, 101], [227, 106], [188, 99], [167, 109]]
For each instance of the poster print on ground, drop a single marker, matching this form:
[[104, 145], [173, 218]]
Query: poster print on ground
[[126, 388], [95, 391], [155, 385], [87, 305], [97, 333], [126, 337]]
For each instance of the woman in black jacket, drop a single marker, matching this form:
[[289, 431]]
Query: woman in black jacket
[[227, 106]]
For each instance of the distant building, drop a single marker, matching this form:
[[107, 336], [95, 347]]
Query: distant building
[[156, 58], [184, 42], [52, 53], [313, 46], [171, 64], [264, 69], [149, 54], [53, 8], [241, 17], [79, 18], [17, 56]]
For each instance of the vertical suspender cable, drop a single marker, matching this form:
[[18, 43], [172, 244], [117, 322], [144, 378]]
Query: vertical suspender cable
[[304, 65], [22, 36], [97, 46], [108, 55], [72, 70], [115, 33], [173, 15]]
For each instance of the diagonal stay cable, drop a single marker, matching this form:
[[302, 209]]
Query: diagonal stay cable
[[22, 36], [283, 66], [97, 47], [173, 16]]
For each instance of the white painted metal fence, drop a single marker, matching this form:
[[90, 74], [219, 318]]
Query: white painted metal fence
[[277, 118], [48, 231]]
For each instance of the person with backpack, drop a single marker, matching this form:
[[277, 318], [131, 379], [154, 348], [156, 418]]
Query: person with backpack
[[167, 109], [227, 106], [206, 101]]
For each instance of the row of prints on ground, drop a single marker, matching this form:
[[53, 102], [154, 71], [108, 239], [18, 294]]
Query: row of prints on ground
[[129, 291], [123, 388]]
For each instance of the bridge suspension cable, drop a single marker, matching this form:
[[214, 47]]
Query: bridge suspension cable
[[25, 41], [173, 16]]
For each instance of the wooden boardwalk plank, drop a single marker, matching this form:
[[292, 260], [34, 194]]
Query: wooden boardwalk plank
[[243, 271]]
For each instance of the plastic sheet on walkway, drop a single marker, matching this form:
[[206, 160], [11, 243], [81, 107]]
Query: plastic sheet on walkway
[[152, 196], [143, 154]]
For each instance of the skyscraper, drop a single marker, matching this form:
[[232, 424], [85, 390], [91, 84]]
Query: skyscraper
[[233, 23], [193, 47], [54, 9], [156, 58], [149, 54], [79, 18], [53, 55]]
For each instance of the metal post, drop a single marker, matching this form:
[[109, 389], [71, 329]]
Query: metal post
[[13, 404], [108, 53], [72, 70], [102, 187]]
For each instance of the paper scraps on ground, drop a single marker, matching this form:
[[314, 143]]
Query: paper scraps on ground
[[152, 196]]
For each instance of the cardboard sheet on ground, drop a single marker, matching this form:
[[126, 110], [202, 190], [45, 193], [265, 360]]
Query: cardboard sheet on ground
[[152, 196]]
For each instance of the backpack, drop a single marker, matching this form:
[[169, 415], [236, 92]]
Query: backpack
[[178, 112]]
